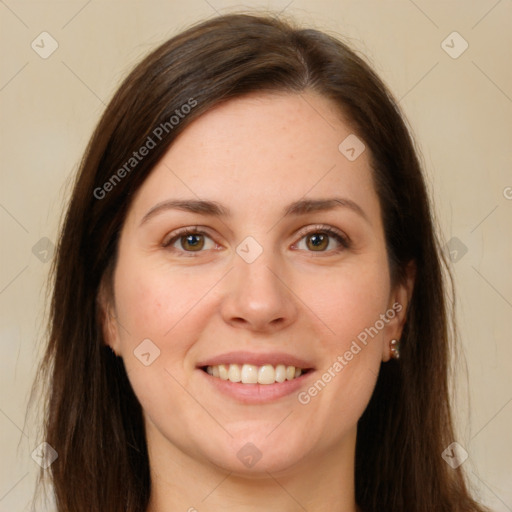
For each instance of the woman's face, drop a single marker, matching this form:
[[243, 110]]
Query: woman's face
[[258, 283]]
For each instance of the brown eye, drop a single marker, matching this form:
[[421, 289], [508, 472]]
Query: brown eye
[[188, 241], [193, 242], [319, 239]]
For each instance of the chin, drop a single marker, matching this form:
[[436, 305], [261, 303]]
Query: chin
[[255, 456]]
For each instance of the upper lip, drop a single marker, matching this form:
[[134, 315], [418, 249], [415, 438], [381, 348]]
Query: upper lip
[[240, 357]]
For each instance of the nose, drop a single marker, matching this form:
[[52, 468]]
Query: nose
[[259, 295]]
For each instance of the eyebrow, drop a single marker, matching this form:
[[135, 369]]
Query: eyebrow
[[215, 209]]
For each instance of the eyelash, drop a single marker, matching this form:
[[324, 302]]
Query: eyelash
[[343, 240]]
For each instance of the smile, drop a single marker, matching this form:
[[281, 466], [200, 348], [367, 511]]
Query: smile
[[252, 374]]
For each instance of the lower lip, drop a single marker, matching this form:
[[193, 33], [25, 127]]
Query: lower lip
[[257, 393]]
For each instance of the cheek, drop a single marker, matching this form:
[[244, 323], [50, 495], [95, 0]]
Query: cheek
[[151, 300], [152, 304], [352, 300], [350, 304], [143, 306]]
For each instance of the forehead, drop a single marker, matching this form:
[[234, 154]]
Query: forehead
[[262, 149]]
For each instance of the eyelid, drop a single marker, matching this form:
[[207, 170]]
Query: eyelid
[[344, 240], [196, 230], [325, 228]]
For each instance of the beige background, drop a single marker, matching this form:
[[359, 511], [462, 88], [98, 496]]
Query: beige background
[[460, 110]]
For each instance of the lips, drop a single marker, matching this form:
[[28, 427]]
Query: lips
[[246, 375], [255, 359]]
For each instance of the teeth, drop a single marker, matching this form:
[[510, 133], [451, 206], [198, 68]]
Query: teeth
[[266, 374], [234, 373], [251, 374], [223, 372], [280, 373]]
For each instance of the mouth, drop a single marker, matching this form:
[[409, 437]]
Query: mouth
[[256, 378], [246, 373]]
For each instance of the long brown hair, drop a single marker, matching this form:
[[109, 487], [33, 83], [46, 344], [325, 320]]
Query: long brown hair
[[93, 419]]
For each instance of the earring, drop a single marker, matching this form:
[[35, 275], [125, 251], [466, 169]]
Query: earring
[[395, 349]]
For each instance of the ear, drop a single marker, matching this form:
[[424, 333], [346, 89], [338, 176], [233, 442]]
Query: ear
[[107, 316], [399, 304]]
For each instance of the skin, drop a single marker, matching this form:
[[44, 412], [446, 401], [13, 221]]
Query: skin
[[255, 155]]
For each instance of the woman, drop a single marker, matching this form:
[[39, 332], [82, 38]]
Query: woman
[[248, 307]]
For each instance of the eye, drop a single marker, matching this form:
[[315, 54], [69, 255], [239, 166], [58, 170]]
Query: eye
[[318, 239], [190, 239]]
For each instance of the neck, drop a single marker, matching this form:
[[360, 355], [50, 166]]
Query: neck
[[318, 483]]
